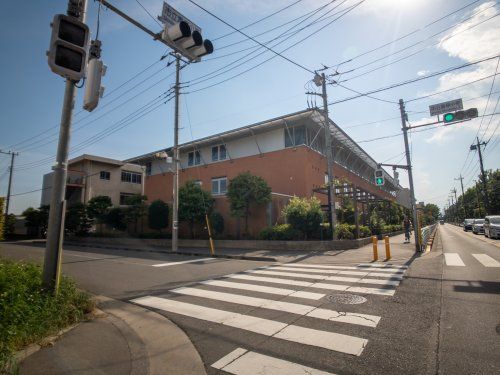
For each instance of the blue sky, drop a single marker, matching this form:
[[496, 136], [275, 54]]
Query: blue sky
[[32, 95]]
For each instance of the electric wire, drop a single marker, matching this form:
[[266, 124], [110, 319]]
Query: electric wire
[[149, 14]]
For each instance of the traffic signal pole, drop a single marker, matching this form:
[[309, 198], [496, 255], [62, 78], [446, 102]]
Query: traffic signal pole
[[410, 175], [55, 231]]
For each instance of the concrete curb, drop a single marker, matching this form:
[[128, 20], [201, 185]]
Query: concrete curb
[[186, 253], [168, 349], [430, 241]]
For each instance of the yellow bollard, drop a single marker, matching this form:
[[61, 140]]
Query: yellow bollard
[[375, 251], [387, 248]]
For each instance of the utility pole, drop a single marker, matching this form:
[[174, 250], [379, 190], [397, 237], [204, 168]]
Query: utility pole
[[463, 194], [410, 174], [477, 198], [55, 231], [454, 191], [477, 147], [11, 172], [175, 193], [329, 160]]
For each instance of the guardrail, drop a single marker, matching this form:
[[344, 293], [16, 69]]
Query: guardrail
[[426, 234]]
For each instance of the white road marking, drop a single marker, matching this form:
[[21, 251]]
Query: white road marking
[[453, 259], [264, 289], [486, 260], [325, 277], [244, 362], [354, 289], [359, 268], [293, 308], [335, 272], [328, 340], [382, 266], [182, 262]]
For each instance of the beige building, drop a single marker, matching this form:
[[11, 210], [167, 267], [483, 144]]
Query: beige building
[[90, 176]]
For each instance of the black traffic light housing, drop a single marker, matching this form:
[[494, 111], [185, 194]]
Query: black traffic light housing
[[460, 115], [379, 177], [69, 44]]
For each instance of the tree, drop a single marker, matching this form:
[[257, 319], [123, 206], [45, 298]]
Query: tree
[[244, 191], [305, 215], [217, 222], [194, 204], [431, 214], [97, 208], [136, 209], [9, 226], [2, 202], [115, 219], [76, 220], [158, 215], [33, 221]]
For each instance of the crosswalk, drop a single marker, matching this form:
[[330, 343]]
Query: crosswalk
[[455, 260], [299, 295]]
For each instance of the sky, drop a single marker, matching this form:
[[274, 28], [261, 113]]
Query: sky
[[366, 45]]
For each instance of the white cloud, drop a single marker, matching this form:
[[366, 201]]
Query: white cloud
[[422, 73]]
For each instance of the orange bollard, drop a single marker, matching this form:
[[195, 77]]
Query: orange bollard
[[375, 250], [387, 248]]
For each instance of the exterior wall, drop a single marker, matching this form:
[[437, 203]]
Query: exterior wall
[[290, 171]]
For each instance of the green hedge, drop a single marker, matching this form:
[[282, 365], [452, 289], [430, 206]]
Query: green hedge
[[281, 232], [28, 314]]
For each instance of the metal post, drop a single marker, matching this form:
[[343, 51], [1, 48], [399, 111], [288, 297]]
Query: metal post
[[410, 174], [175, 206], [483, 177], [329, 160], [53, 247]]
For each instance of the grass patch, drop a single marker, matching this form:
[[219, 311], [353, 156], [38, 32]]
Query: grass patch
[[27, 314]]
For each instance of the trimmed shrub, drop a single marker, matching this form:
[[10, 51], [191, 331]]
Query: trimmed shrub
[[217, 222], [364, 231], [158, 212], [344, 232], [304, 215], [281, 232]]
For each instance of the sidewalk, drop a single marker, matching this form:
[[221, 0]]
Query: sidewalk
[[124, 339]]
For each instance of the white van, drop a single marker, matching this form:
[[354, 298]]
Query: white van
[[492, 226]]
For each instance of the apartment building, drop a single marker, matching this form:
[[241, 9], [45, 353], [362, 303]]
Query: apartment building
[[287, 152], [90, 176]]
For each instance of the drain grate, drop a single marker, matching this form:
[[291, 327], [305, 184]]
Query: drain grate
[[347, 299]]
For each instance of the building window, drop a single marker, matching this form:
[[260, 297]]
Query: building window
[[219, 153], [124, 197], [295, 136], [149, 168], [219, 186], [194, 158], [133, 177], [105, 175]]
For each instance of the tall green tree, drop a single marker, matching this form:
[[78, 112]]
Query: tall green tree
[[76, 220], [304, 215], [158, 215], [136, 209], [194, 204], [245, 191], [98, 207]]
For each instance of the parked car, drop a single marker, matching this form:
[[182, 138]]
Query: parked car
[[492, 226], [478, 226], [468, 224], [441, 222]]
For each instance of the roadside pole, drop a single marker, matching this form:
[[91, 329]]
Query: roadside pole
[[329, 160], [463, 195], [410, 174], [11, 172], [175, 193], [54, 242], [483, 176]]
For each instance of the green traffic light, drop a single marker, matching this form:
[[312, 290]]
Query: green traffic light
[[379, 181], [449, 117]]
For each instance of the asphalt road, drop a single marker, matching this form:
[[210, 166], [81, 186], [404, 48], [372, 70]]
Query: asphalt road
[[247, 317], [470, 318]]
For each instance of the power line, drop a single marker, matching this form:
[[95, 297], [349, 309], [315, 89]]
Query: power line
[[149, 14], [489, 96]]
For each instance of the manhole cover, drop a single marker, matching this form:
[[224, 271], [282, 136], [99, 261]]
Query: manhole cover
[[348, 299]]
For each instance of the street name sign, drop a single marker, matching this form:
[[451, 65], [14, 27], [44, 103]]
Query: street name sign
[[170, 16], [445, 107]]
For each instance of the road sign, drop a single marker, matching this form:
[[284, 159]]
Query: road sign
[[450, 106], [171, 16]]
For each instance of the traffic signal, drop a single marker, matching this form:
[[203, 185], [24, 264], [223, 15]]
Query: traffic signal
[[67, 55], [95, 71], [379, 177], [460, 115], [189, 43]]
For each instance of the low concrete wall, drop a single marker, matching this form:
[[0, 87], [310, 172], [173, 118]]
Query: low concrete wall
[[228, 244]]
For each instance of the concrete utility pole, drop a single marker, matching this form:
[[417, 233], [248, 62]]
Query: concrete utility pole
[[463, 194], [477, 147], [55, 231], [175, 193], [454, 191], [329, 160], [11, 172], [410, 174]]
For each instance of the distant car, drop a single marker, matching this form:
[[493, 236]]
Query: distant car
[[441, 222], [478, 226], [468, 224], [492, 226]]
